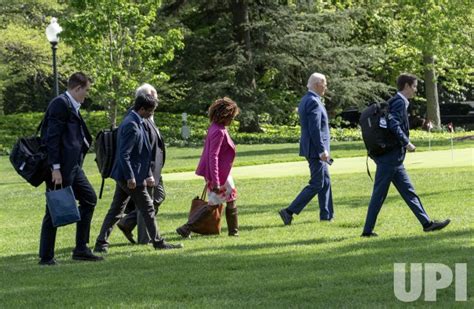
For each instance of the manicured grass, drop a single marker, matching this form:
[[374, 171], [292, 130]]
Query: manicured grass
[[307, 264], [181, 159], [186, 159], [415, 160]]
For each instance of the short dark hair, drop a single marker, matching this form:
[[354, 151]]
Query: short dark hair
[[223, 110], [405, 78], [78, 79], [146, 101]]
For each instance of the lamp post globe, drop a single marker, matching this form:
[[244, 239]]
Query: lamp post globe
[[52, 32]]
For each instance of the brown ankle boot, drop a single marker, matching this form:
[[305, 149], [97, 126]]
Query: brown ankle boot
[[232, 221], [186, 229]]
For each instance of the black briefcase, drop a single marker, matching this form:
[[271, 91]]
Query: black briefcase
[[29, 158]]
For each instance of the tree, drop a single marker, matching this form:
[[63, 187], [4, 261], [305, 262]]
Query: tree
[[25, 55], [306, 38], [440, 33], [431, 38], [117, 44], [245, 75], [218, 57], [262, 52]]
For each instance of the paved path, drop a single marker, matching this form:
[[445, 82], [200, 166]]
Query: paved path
[[428, 159]]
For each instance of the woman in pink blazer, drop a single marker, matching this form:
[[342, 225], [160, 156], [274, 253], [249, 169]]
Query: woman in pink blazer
[[215, 165]]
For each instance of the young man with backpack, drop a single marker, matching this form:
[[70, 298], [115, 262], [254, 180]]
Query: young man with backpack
[[390, 167]]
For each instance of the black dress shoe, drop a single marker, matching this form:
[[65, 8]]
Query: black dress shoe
[[128, 234], [51, 262], [86, 255], [163, 245], [183, 231], [371, 234], [285, 216], [101, 249], [436, 225]]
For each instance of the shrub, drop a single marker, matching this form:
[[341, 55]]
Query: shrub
[[16, 125]]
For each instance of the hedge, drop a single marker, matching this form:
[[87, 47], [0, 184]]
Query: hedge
[[16, 125]]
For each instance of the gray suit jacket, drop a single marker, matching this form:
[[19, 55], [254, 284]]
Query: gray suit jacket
[[158, 151]]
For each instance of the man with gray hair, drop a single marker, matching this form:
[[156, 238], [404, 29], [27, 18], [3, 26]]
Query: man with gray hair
[[145, 89], [314, 146], [134, 218]]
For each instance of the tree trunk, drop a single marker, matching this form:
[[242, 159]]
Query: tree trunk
[[113, 103], [431, 91], [2, 112], [112, 114], [246, 75]]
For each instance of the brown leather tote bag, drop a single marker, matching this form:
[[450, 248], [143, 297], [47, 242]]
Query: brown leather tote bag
[[211, 223]]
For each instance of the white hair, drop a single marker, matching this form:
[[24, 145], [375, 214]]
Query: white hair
[[314, 79], [145, 89]]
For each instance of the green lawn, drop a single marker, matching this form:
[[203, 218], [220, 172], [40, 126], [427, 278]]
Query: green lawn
[[308, 264], [186, 159]]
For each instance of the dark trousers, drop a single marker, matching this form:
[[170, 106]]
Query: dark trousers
[[319, 184], [141, 197], [397, 175], [135, 218], [87, 198]]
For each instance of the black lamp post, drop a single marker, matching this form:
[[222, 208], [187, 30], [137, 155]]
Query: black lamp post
[[52, 32]]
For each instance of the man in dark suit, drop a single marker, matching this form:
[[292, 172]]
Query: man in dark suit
[[134, 217], [390, 167], [67, 139], [133, 175], [314, 146]]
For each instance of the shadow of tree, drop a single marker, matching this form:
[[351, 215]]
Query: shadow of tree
[[268, 273]]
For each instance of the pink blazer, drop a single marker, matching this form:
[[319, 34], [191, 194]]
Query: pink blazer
[[217, 156]]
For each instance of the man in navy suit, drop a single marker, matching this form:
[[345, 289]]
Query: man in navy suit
[[134, 217], [314, 146], [390, 167], [133, 174], [67, 139]]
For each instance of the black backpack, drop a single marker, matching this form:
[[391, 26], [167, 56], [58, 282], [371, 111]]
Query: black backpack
[[377, 137], [105, 148]]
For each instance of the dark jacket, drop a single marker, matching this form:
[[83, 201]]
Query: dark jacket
[[398, 125], [398, 119], [133, 151], [64, 133], [314, 123]]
